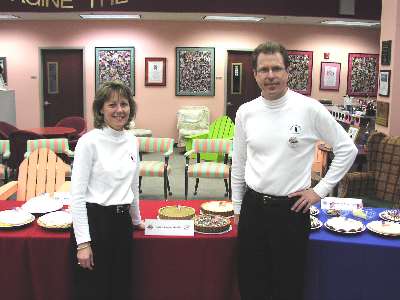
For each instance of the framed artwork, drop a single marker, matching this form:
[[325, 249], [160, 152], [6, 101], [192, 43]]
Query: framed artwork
[[384, 83], [115, 63], [330, 76], [300, 71], [386, 53], [362, 76], [3, 64], [353, 132], [382, 113], [195, 71], [155, 71]]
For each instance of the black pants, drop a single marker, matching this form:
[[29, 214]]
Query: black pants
[[111, 278], [272, 248]]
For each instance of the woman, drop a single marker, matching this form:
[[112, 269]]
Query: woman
[[105, 198]]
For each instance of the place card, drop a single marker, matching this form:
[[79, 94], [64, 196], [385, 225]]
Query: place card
[[341, 203], [169, 227]]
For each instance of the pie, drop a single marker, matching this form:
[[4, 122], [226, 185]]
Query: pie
[[56, 220], [176, 212], [315, 223], [344, 225], [15, 217], [391, 215], [313, 210], [384, 227], [222, 208], [211, 224]]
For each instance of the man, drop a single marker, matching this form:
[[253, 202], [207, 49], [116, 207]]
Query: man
[[274, 144]]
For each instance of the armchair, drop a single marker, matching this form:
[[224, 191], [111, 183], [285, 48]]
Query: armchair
[[380, 184], [209, 169], [192, 120], [42, 172], [158, 168]]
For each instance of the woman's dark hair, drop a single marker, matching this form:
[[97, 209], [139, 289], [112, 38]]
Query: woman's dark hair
[[269, 48], [104, 93]]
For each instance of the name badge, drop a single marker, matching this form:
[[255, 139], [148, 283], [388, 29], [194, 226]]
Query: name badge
[[169, 227]]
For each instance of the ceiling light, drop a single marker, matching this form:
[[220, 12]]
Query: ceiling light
[[233, 18], [351, 23], [8, 17], [93, 16]]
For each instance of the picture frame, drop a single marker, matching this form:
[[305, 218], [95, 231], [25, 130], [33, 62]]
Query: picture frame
[[115, 63], [353, 132], [195, 71], [155, 71], [3, 64], [362, 75], [300, 71], [386, 52], [330, 76], [384, 83], [382, 113]]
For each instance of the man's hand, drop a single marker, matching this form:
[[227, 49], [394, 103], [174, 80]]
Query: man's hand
[[307, 198]]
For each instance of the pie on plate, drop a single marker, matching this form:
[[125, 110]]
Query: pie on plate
[[314, 210], [176, 212], [55, 220], [222, 208], [315, 223], [15, 218], [387, 228], [344, 225], [211, 224], [42, 204], [390, 215]]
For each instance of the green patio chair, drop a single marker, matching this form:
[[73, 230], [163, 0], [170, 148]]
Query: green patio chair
[[221, 128]]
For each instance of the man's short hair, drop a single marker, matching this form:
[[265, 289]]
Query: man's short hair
[[269, 47]]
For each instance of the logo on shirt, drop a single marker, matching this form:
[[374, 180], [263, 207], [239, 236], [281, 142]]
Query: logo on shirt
[[294, 131]]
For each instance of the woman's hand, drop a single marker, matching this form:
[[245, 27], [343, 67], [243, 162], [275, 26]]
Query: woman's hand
[[139, 226], [85, 257]]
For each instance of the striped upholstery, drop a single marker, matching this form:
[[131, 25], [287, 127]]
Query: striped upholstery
[[212, 145], [56, 145], [156, 168], [152, 144], [153, 168], [208, 170], [5, 148]]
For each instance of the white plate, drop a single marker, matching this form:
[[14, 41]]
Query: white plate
[[343, 231], [370, 227], [386, 217], [42, 204], [222, 232], [314, 210], [5, 216]]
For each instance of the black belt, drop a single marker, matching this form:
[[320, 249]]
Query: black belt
[[116, 209], [265, 198]]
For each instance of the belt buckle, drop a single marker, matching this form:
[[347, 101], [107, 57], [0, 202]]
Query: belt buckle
[[120, 209], [266, 198]]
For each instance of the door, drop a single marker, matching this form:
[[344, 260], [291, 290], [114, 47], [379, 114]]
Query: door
[[62, 84], [242, 87]]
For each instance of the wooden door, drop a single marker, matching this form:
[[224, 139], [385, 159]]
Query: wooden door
[[241, 85], [62, 84]]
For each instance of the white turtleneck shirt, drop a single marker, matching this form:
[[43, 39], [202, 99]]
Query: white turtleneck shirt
[[274, 146], [106, 172]]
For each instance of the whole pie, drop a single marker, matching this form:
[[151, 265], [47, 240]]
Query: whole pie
[[222, 208], [391, 215], [176, 212], [211, 223], [384, 227], [344, 225]]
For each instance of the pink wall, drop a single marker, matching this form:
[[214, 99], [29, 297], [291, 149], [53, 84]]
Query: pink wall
[[21, 42]]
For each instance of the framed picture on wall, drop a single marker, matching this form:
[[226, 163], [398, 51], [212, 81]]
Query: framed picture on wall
[[353, 132], [362, 76], [155, 71], [115, 63], [300, 71], [384, 83], [195, 71], [330, 76], [3, 65]]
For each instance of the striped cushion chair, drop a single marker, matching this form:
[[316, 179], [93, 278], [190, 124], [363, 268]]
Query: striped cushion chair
[[209, 169], [4, 155], [155, 168], [58, 146]]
